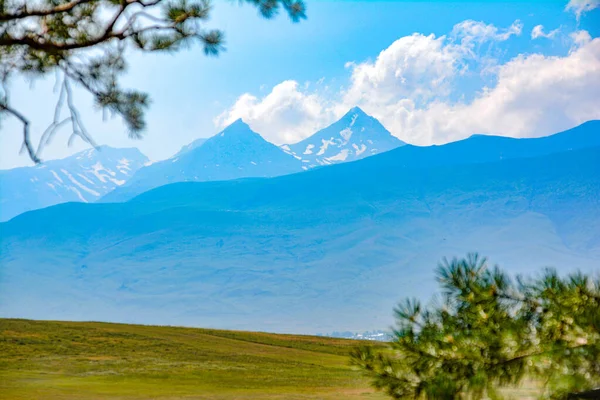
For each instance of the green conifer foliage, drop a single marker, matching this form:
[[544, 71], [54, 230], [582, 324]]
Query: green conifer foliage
[[488, 331]]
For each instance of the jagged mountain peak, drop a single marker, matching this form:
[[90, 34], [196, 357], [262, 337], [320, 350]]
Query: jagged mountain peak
[[235, 152], [238, 131], [238, 123], [237, 126], [354, 136], [356, 109], [354, 116], [355, 112]]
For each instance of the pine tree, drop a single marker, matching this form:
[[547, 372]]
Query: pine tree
[[84, 43], [488, 331]]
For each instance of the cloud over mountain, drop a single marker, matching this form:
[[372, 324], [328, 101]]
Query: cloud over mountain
[[411, 87], [298, 110]]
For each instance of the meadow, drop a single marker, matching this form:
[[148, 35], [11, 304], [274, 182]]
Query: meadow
[[55, 360], [91, 360]]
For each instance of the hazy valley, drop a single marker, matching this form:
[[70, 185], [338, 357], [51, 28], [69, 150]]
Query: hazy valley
[[314, 251]]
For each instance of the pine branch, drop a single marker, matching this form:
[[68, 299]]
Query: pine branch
[[26, 13]]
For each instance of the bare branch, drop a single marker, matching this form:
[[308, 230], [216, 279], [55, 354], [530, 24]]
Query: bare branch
[[26, 139], [56, 122], [78, 127]]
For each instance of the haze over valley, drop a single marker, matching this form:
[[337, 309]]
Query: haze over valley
[[250, 237]]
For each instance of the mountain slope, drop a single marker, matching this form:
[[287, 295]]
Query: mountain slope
[[84, 177], [356, 135], [486, 148], [236, 152], [189, 147], [291, 254]]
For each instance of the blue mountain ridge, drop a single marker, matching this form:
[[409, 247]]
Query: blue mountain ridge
[[328, 249], [485, 148]]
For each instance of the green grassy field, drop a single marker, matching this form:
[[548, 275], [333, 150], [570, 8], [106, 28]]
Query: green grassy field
[[50, 360], [89, 360]]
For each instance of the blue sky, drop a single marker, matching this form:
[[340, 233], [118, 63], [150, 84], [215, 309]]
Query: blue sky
[[432, 72]]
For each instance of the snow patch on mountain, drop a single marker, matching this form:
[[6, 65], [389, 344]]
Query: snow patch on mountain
[[346, 134], [341, 156]]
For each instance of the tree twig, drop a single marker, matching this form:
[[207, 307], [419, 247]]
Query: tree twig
[[26, 139]]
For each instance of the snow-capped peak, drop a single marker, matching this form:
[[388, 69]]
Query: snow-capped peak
[[235, 152], [356, 135]]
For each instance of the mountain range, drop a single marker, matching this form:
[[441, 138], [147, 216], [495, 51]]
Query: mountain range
[[235, 152], [327, 249], [85, 177], [239, 152]]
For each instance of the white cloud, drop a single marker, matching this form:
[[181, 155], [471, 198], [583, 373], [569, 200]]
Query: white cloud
[[579, 7], [411, 88], [418, 70], [580, 38], [417, 67], [285, 115], [421, 68], [538, 32], [470, 31], [534, 95]]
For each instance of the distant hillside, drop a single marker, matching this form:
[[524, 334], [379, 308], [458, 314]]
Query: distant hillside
[[82, 177], [85, 361]]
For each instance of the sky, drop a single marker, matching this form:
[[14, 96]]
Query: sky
[[431, 72]]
